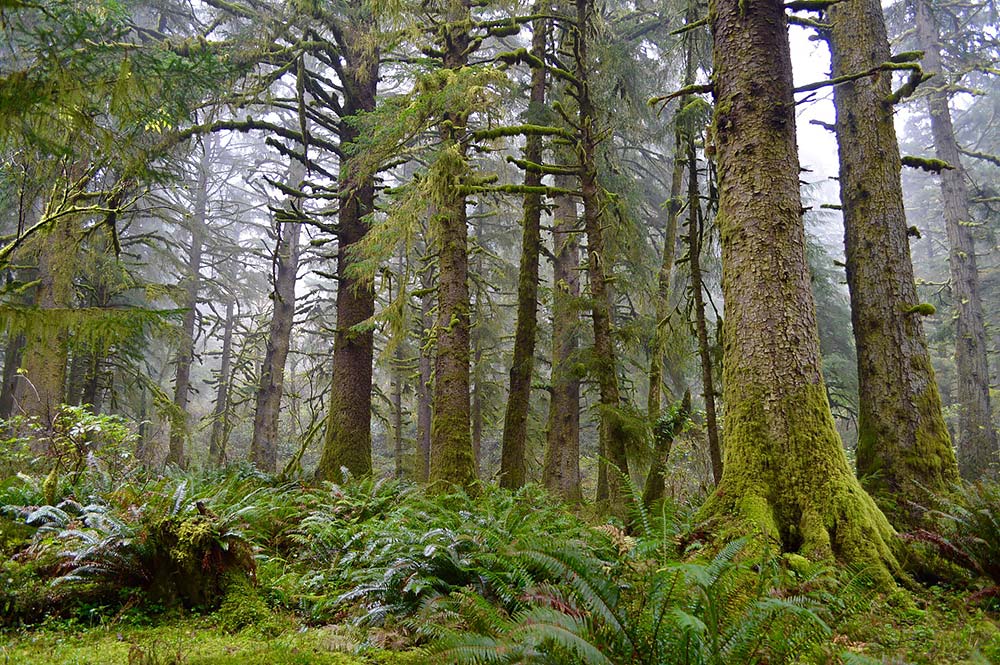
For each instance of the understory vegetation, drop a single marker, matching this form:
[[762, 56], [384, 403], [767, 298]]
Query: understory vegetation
[[237, 566]]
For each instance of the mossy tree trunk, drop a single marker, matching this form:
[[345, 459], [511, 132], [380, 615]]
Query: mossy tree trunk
[[977, 440], [271, 385], [220, 413], [785, 470], [903, 444], [515, 429], [694, 241], [561, 468], [348, 441], [425, 377], [611, 433], [452, 461], [42, 388], [176, 453]]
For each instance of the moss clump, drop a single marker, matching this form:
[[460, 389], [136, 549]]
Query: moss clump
[[923, 309], [243, 608]]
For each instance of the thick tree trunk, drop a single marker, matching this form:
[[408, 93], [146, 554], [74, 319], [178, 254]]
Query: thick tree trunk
[[452, 457], [611, 433], [977, 440], [220, 415], [700, 325], [42, 388], [903, 444], [264, 443], [561, 469], [786, 472], [348, 435], [192, 284], [515, 428]]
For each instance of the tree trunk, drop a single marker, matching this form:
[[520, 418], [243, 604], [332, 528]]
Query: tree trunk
[[425, 377], [903, 444], [561, 469], [220, 416], [185, 354], [977, 440], [515, 427], [664, 434], [786, 472], [348, 435], [452, 458], [611, 432], [695, 231], [264, 442], [11, 363]]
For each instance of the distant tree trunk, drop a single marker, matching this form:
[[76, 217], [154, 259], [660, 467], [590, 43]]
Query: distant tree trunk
[[11, 363], [425, 377], [664, 434], [695, 231], [663, 286], [904, 449], [476, 408], [192, 281], [452, 458], [561, 470], [348, 441], [91, 392], [398, 363], [515, 428], [264, 442], [611, 433], [977, 440], [786, 472], [220, 416]]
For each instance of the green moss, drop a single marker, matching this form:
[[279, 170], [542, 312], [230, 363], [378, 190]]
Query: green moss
[[243, 608], [798, 486], [923, 309]]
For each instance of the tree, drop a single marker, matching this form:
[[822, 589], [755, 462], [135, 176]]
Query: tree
[[978, 445], [904, 448], [785, 470]]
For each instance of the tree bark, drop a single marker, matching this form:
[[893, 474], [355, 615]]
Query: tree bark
[[785, 471], [513, 471], [611, 433], [220, 415], [452, 461], [904, 448], [978, 445], [264, 442], [561, 469], [348, 441], [192, 284]]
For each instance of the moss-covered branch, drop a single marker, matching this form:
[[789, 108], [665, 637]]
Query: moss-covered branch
[[695, 89], [986, 157], [550, 169], [846, 78], [928, 164], [520, 130]]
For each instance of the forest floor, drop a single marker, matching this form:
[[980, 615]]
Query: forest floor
[[933, 627], [379, 573]]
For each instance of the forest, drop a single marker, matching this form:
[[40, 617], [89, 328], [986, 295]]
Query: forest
[[372, 332]]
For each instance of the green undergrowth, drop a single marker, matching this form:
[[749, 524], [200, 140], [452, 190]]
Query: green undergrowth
[[377, 571]]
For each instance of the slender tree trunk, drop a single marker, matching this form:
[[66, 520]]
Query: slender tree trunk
[[977, 440], [11, 363], [398, 364], [185, 354], [220, 416], [611, 433], [695, 231], [561, 470], [663, 438], [452, 458], [786, 472], [515, 428], [348, 435], [424, 375], [264, 442], [903, 448]]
